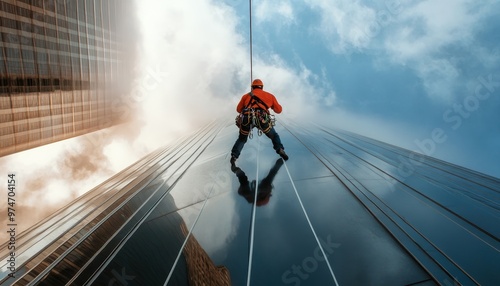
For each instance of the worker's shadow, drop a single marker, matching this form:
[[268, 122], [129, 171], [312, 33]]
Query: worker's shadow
[[265, 188]]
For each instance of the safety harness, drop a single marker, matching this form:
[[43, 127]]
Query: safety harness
[[255, 99], [255, 117]]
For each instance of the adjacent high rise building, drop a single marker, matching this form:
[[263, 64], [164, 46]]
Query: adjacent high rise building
[[343, 210], [64, 67]]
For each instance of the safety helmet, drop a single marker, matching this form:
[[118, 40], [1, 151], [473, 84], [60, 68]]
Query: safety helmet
[[257, 83]]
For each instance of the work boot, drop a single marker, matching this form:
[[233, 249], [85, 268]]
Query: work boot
[[282, 153]]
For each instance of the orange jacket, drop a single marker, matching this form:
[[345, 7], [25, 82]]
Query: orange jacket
[[266, 97]]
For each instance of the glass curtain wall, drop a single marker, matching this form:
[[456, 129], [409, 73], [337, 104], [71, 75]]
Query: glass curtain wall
[[59, 66]]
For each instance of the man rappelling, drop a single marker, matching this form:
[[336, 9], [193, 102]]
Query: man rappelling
[[254, 112]]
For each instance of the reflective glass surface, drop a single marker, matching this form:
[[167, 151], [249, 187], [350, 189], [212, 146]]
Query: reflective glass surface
[[343, 210]]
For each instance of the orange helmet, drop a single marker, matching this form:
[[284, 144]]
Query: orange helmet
[[257, 83]]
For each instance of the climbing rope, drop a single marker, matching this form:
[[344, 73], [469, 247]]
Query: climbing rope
[[269, 118], [250, 135], [251, 56]]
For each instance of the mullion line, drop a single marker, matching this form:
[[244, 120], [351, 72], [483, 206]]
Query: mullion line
[[252, 225]]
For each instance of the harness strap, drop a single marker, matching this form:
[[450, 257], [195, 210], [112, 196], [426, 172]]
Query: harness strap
[[254, 99], [255, 116]]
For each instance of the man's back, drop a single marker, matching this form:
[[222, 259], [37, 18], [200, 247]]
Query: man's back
[[268, 98]]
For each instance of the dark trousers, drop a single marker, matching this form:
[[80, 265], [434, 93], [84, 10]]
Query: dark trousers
[[245, 127]]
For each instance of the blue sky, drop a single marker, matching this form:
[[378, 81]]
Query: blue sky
[[420, 66]]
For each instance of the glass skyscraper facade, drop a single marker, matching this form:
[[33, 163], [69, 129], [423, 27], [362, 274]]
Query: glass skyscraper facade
[[343, 210], [64, 66]]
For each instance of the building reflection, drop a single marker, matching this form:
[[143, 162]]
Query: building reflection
[[151, 253], [127, 231], [200, 268], [264, 191]]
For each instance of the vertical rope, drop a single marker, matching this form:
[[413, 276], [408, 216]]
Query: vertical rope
[[252, 225], [251, 52]]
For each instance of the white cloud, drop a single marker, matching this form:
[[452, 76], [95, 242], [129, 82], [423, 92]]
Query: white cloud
[[440, 77], [425, 36], [202, 61], [299, 91], [420, 35], [121, 153], [345, 24], [421, 40], [279, 12], [429, 26], [205, 65], [52, 175]]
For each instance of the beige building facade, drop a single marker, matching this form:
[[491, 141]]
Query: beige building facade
[[63, 68]]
